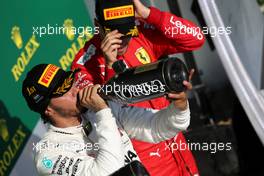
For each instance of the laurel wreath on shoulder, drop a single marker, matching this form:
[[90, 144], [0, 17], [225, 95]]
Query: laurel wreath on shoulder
[[133, 32], [63, 88]]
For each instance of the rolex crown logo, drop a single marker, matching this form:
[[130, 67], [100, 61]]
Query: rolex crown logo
[[16, 37], [68, 29], [3, 130]]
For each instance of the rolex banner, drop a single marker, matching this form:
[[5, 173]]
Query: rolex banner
[[33, 32]]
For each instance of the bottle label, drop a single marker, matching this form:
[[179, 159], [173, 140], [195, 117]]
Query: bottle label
[[134, 92]]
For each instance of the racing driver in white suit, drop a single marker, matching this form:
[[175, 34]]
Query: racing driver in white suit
[[95, 142]]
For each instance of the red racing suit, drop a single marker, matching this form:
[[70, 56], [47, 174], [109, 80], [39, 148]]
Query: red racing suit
[[162, 34]]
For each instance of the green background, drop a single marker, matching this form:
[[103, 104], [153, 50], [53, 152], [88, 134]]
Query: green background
[[26, 15]]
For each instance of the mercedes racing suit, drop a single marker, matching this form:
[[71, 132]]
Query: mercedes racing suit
[[162, 34], [105, 146]]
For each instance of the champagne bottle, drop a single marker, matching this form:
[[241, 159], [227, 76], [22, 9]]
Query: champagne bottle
[[145, 82]]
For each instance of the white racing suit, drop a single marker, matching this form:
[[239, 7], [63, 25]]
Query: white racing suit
[[105, 147]]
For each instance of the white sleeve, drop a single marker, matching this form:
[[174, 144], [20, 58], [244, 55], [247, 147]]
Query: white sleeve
[[152, 125], [109, 159]]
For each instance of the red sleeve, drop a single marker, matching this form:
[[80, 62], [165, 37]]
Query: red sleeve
[[172, 34], [109, 73], [87, 76], [83, 78], [91, 64]]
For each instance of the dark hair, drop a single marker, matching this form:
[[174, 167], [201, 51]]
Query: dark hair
[[45, 118]]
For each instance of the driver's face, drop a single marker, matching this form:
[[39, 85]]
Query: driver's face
[[67, 105]]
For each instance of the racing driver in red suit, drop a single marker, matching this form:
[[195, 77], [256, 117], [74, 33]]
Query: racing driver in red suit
[[154, 34]]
